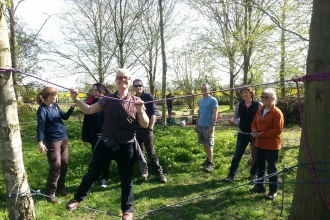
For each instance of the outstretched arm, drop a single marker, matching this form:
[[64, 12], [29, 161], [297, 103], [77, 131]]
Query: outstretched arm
[[83, 106]]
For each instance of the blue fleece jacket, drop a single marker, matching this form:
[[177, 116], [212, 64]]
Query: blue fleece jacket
[[50, 124]]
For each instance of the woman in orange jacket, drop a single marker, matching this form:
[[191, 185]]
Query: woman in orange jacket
[[267, 127]]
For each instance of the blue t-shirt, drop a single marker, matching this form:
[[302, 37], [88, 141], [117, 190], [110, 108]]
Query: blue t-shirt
[[206, 106]]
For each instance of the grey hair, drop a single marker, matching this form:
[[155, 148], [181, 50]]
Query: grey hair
[[123, 70], [271, 92]]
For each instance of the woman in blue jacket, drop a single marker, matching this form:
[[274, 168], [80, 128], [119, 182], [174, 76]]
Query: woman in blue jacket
[[53, 140]]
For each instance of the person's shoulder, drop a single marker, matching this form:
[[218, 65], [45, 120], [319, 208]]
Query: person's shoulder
[[276, 109], [150, 97], [41, 107]]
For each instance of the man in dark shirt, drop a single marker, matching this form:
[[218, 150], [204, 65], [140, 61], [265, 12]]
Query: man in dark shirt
[[145, 135]]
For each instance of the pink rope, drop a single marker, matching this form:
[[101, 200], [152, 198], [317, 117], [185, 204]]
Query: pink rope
[[317, 76], [305, 78]]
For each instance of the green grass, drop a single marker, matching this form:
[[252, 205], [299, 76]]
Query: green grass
[[198, 195]]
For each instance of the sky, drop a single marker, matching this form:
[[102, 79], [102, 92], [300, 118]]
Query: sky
[[35, 13]]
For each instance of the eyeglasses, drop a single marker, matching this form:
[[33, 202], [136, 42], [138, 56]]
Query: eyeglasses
[[264, 97], [137, 86], [123, 77]]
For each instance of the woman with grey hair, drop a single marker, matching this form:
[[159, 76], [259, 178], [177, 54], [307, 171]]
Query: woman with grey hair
[[267, 127]]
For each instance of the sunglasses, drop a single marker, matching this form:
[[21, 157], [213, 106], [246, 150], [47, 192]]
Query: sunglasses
[[137, 86], [123, 77], [264, 97]]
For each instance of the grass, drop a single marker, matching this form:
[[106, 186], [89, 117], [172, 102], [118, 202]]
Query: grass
[[197, 195]]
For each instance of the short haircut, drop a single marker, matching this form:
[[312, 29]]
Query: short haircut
[[137, 80], [123, 70]]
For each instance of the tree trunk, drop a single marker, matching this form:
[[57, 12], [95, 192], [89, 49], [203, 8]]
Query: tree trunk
[[13, 171], [12, 24], [162, 41], [283, 46], [307, 200], [231, 82]]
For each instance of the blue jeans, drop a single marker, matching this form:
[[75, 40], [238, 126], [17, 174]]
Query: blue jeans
[[242, 142], [125, 159], [271, 157]]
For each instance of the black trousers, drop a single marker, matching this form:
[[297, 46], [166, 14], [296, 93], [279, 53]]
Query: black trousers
[[145, 139], [125, 158], [271, 157]]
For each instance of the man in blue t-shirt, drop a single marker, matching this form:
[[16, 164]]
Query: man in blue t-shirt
[[206, 119]]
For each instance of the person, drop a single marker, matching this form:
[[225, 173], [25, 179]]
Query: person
[[92, 125], [122, 112], [145, 135], [50, 127], [169, 103], [243, 117], [267, 127], [206, 119]]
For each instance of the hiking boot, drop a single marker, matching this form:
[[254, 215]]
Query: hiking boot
[[209, 167], [104, 183], [72, 204], [229, 179], [52, 199], [205, 163], [162, 178], [62, 193], [127, 216], [144, 177], [271, 195], [258, 189]]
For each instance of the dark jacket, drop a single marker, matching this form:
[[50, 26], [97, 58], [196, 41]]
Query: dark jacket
[[246, 115], [92, 125], [50, 124], [151, 108]]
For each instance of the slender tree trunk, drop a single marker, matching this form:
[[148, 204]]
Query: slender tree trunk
[[12, 25], [247, 40], [15, 177], [162, 41], [283, 46], [231, 82], [307, 200]]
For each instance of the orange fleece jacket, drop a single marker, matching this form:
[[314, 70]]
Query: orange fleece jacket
[[270, 128]]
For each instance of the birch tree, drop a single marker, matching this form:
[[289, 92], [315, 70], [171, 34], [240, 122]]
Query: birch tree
[[20, 205]]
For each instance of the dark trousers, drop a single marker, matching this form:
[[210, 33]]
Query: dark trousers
[[125, 159], [169, 110], [145, 139], [271, 157], [57, 154], [106, 167], [242, 142]]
